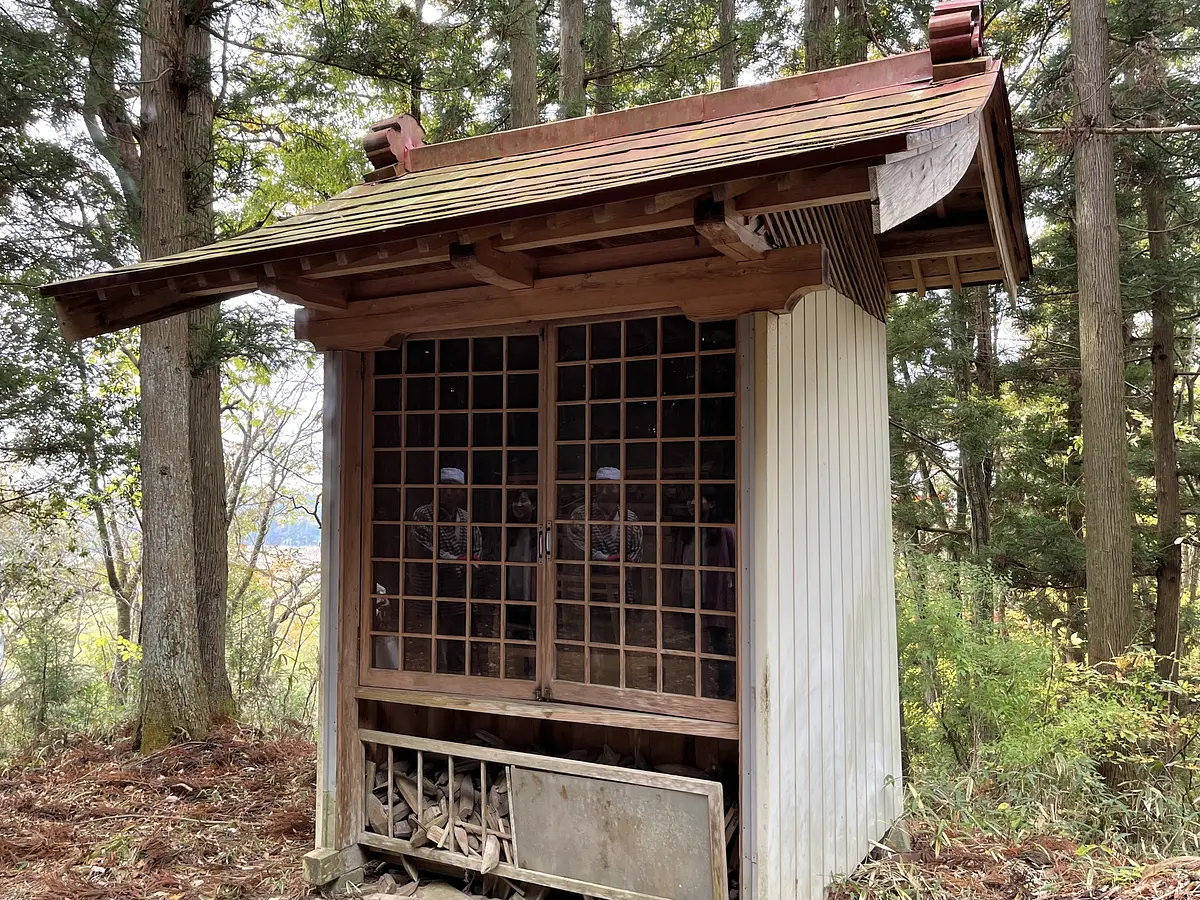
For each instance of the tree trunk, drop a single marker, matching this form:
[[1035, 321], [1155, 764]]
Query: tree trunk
[[522, 55], [980, 460], [855, 28], [1108, 539], [728, 38], [571, 99], [601, 28], [820, 35], [1162, 414], [174, 68], [211, 526]]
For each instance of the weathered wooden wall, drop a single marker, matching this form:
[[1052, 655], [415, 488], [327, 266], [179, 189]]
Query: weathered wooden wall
[[821, 718]]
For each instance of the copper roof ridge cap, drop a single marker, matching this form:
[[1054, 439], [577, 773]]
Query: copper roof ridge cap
[[913, 66]]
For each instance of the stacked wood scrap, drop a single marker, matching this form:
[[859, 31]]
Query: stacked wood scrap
[[394, 882], [438, 804]]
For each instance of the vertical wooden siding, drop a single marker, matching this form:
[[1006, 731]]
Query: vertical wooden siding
[[824, 726]]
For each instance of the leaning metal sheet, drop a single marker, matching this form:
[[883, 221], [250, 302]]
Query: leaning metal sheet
[[649, 840]]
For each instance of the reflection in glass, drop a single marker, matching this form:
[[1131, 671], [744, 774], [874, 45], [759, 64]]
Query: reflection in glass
[[569, 663], [606, 666], [418, 616], [641, 671], [606, 340], [485, 659], [385, 614], [418, 654], [452, 657], [570, 622], [387, 362], [385, 652], [679, 675], [520, 662]]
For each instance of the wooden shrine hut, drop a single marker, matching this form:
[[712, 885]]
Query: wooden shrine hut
[[608, 594]]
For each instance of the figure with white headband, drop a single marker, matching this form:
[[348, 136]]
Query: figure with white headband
[[606, 507], [451, 539]]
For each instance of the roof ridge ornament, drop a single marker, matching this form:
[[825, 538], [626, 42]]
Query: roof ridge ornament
[[956, 31], [389, 141]]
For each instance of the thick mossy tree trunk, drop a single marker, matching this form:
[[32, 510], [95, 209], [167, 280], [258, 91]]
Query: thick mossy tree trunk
[[571, 99], [820, 35], [522, 55], [1108, 537], [727, 14], [174, 698]]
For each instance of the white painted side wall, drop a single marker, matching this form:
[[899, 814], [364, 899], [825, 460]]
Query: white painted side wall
[[821, 727]]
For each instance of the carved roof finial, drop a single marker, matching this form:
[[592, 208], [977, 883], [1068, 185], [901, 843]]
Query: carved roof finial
[[956, 31], [387, 142]]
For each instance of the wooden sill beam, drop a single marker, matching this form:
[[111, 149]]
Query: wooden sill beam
[[511, 271]]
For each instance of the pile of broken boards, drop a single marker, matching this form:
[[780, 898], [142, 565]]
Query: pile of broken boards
[[388, 887]]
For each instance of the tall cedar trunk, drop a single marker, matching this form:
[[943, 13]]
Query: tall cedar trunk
[[416, 70], [979, 461], [522, 55], [571, 98], [1162, 413], [211, 526], [601, 28], [852, 40], [728, 37], [174, 699], [820, 35], [1108, 539]]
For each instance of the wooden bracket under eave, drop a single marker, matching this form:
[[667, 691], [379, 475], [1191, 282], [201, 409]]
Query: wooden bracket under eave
[[305, 292], [728, 232], [512, 270]]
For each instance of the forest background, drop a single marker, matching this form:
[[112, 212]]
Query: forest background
[[1006, 725]]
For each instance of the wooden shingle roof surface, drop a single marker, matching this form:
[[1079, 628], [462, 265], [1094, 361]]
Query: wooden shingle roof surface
[[852, 113]]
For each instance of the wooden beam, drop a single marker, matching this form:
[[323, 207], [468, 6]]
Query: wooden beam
[[78, 320], [614, 220], [934, 282], [928, 243], [728, 232], [513, 270], [914, 180], [805, 188], [955, 277], [392, 255], [989, 169], [708, 288], [918, 278], [670, 199], [305, 292]]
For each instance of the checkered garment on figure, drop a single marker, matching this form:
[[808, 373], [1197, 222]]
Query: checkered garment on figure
[[606, 539], [452, 539]]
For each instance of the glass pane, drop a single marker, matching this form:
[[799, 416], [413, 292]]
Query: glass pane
[[520, 544], [523, 392], [488, 467], [641, 462], [605, 585], [641, 378], [520, 663], [387, 362], [422, 356], [641, 628], [421, 393], [572, 383], [418, 431], [452, 657], [679, 588], [451, 580], [485, 581], [487, 354], [641, 671], [523, 429], [679, 631], [522, 467], [641, 337], [718, 635], [572, 423], [678, 503], [454, 392], [606, 667], [521, 583], [605, 625], [718, 374], [570, 622], [572, 343], [718, 335], [418, 616], [717, 547], [641, 586], [605, 456], [451, 618], [418, 539], [718, 416], [421, 467], [487, 505], [679, 334], [418, 579], [718, 591], [387, 468], [489, 392], [679, 675], [641, 419], [718, 459], [385, 614], [387, 431], [606, 422], [455, 355], [606, 340], [485, 620], [524, 352], [385, 652], [387, 504], [569, 663], [452, 467], [520, 622], [718, 679], [569, 541], [679, 546], [569, 582], [418, 504], [453, 430], [522, 505], [489, 429], [386, 576], [570, 500], [606, 381], [679, 376], [387, 394], [485, 659], [641, 502], [679, 418], [418, 654], [679, 460], [386, 542], [487, 544], [721, 502]]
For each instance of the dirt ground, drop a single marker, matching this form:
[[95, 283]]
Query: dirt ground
[[228, 818]]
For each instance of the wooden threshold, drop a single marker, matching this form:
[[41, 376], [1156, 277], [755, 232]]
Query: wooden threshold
[[555, 712]]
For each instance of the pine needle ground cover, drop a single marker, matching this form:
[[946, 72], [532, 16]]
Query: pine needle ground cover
[[223, 818]]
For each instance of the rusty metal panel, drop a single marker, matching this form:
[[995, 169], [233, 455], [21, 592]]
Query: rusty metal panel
[[649, 840]]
